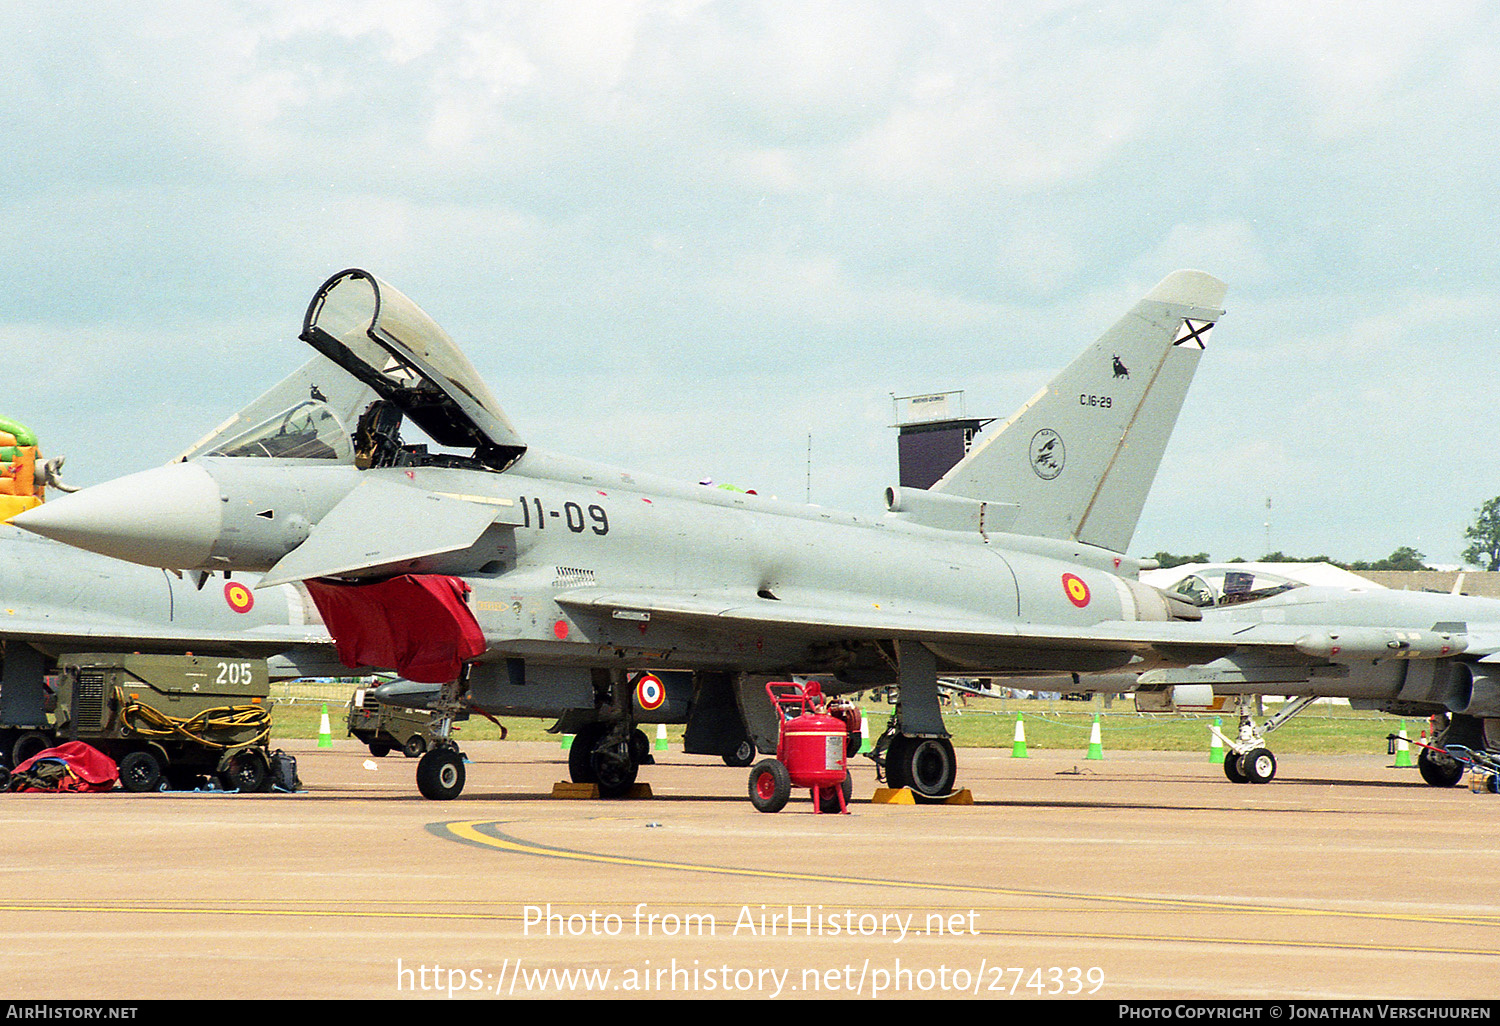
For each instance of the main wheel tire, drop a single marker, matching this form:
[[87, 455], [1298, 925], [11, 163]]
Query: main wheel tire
[[1439, 770], [140, 771], [1232, 768], [615, 770], [897, 774], [640, 748], [581, 754], [744, 755], [415, 746], [440, 774], [770, 785], [1259, 766], [929, 766], [828, 797]]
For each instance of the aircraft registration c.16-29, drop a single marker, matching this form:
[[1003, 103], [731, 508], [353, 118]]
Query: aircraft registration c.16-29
[[532, 584]]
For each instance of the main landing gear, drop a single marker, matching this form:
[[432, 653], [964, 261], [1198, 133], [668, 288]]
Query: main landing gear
[[927, 765], [609, 756], [915, 750], [609, 751], [1438, 768]]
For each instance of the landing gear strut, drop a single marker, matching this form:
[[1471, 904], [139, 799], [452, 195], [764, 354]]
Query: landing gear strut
[[915, 750], [610, 751], [440, 771], [1247, 760]]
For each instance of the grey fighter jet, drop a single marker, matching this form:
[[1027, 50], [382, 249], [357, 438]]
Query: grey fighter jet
[[531, 583], [1459, 683]]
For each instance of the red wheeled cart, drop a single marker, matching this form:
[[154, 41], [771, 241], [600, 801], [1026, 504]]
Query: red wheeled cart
[[813, 743]]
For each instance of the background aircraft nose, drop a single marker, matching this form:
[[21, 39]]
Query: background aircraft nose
[[168, 516]]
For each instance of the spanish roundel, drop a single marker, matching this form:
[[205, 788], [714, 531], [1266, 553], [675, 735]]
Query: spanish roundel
[[240, 598], [1076, 590], [650, 693]]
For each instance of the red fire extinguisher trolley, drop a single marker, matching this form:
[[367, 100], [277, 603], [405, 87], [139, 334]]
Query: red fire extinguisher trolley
[[813, 742]]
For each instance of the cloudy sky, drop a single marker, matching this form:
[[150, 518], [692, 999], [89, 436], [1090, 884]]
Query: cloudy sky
[[685, 236]]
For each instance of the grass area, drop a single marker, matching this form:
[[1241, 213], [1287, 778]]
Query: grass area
[[1326, 729]]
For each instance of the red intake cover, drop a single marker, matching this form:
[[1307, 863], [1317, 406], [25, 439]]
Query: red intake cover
[[418, 625]]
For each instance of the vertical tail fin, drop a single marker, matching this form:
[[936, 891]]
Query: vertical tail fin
[[1078, 459]]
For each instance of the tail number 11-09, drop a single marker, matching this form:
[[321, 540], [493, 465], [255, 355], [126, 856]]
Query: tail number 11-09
[[578, 518]]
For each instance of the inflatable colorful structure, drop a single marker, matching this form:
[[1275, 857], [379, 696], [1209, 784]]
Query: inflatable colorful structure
[[18, 453]]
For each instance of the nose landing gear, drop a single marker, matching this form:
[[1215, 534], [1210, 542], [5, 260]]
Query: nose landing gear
[[440, 770], [1247, 760]]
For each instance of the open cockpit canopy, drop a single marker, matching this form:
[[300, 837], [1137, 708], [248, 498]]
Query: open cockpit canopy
[[386, 341]]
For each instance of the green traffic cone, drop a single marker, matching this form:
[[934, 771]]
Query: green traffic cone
[[325, 732], [1215, 744], [1096, 743], [1018, 750]]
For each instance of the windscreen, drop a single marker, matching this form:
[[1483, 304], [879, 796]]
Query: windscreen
[[308, 431]]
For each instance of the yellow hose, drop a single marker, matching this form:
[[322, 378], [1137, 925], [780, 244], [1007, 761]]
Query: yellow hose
[[148, 722]]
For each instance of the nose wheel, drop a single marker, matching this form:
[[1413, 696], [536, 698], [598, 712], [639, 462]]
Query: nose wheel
[[440, 774], [1258, 765]]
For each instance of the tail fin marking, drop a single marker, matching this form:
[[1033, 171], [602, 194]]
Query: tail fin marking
[[1079, 458]]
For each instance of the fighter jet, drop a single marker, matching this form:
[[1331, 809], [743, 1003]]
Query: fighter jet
[[1342, 614], [528, 582]]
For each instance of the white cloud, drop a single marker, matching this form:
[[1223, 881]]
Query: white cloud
[[1343, 70]]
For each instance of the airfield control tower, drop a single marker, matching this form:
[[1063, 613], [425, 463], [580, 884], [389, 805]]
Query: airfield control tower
[[933, 435]]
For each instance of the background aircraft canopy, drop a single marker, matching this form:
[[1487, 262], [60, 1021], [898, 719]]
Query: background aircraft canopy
[[1223, 586], [387, 341]]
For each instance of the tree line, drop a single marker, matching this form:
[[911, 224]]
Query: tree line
[[1483, 552]]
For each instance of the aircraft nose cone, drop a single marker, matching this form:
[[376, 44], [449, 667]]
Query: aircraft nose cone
[[168, 516]]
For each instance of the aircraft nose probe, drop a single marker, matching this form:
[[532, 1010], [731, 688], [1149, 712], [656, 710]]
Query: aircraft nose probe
[[168, 516]]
